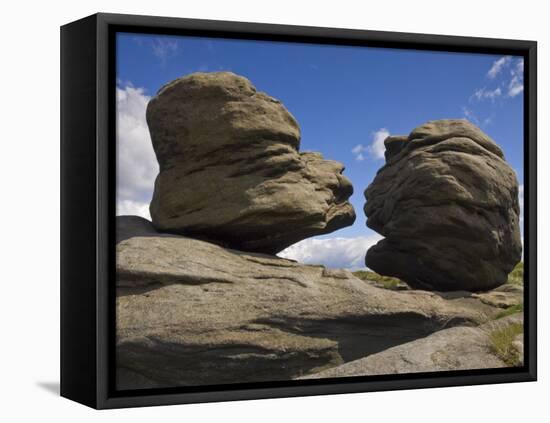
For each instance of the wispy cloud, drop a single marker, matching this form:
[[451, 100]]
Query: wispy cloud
[[470, 115], [164, 48], [346, 253], [483, 94], [515, 86], [488, 120], [506, 74], [358, 151], [511, 82], [498, 66]]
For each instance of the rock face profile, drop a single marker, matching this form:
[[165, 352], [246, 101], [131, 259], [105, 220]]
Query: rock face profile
[[447, 204], [190, 312], [230, 169]]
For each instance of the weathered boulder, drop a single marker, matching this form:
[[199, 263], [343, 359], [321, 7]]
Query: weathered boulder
[[230, 170], [191, 312], [447, 204], [457, 348]]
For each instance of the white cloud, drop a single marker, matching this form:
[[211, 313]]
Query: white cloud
[[133, 208], [137, 165], [508, 85], [484, 94], [358, 151], [498, 65], [346, 253], [377, 148], [164, 48], [515, 86]]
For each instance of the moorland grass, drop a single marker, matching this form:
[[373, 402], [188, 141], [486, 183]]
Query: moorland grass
[[516, 276], [386, 282], [502, 343], [517, 308]]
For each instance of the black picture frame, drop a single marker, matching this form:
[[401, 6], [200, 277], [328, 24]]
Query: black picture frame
[[88, 208]]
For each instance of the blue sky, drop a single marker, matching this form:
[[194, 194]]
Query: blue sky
[[346, 100]]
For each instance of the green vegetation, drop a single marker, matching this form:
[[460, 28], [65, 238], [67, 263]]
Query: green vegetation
[[516, 276], [502, 343], [386, 282], [510, 310]]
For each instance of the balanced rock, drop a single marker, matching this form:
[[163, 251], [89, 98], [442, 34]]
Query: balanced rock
[[230, 170], [190, 312], [447, 204]]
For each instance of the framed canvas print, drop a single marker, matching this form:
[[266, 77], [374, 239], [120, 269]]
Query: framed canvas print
[[254, 211]]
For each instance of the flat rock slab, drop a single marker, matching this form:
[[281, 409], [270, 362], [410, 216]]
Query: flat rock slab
[[193, 313], [457, 348], [503, 297]]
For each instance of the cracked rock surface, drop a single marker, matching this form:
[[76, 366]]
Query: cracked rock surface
[[190, 312], [457, 348]]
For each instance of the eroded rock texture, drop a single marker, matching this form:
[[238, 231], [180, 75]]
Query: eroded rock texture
[[457, 348], [230, 170], [191, 312], [447, 204]]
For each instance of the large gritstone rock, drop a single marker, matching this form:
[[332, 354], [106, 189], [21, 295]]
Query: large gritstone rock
[[191, 312], [447, 204], [230, 170], [457, 348]]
